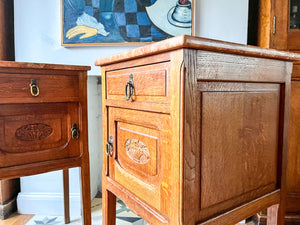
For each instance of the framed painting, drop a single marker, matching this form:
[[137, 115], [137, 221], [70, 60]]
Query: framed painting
[[92, 22]]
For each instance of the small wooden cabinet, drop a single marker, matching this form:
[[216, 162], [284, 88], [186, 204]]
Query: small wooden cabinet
[[195, 131], [276, 30], [43, 121]]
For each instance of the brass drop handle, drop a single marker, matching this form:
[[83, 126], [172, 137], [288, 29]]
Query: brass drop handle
[[34, 88], [129, 88], [75, 132], [109, 146]]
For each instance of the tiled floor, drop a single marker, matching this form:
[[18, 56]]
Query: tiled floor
[[124, 216]]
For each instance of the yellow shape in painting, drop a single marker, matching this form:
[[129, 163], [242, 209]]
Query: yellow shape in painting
[[85, 30]]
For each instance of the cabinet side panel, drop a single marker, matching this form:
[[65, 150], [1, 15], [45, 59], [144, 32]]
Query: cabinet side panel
[[232, 131], [239, 141]]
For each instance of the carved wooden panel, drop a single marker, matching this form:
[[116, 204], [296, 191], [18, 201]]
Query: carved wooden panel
[[137, 162], [138, 149], [33, 132]]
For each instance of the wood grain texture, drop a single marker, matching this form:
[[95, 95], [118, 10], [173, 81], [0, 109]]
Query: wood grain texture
[[264, 24], [7, 48], [293, 40], [249, 209], [288, 39], [66, 196], [17, 219], [272, 215], [8, 189], [42, 66], [226, 121], [36, 133], [185, 41], [296, 71], [279, 9]]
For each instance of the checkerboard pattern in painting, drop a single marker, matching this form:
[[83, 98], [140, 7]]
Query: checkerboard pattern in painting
[[133, 22]]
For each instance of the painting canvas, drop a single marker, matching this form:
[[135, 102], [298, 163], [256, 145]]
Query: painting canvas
[[124, 21]]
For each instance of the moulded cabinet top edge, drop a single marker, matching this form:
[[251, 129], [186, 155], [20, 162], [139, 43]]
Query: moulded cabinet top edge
[[185, 41], [44, 66]]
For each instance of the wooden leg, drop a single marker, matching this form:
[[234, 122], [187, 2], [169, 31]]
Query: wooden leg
[[272, 215], [86, 194], [66, 195], [108, 208]]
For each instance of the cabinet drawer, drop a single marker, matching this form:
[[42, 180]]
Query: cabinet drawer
[[47, 87], [37, 132], [150, 82]]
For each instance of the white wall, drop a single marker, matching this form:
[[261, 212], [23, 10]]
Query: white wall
[[38, 39], [222, 20]]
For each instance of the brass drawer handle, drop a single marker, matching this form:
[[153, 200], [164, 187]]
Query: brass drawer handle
[[109, 146], [34, 88], [129, 88], [75, 132]]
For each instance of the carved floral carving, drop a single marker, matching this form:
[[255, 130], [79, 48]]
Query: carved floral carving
[[33, 132], [137, 151]]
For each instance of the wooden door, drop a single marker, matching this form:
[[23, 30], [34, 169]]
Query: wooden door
[[37, 132], [140, 158]]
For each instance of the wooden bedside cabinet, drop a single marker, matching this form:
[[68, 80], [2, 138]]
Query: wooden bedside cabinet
[[196, 131], [43, 121]]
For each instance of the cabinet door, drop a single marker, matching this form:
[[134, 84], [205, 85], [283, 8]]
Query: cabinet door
[[140, 159], [37, 132]]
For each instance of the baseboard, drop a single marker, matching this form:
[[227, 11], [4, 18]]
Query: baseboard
[[47, 204], [8, 208]]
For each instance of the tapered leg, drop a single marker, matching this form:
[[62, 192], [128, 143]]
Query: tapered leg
[[272, 215], [66, 195], [86, 194], [108, 207]]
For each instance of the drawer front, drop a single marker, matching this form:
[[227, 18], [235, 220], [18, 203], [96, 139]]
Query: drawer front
[[37, 87], [37, 132], [150, 83], [140, 158]]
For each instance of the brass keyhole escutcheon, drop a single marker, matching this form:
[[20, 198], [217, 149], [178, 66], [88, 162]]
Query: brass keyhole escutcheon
[[34, 88], [75, 132], [109, 146]]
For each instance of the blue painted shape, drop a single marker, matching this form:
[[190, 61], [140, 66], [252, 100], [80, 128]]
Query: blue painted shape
[[142, 18], [155, 33], [120, 19], [96, 3], [133, 31], [147, 39], [130, 6], [89, 10]]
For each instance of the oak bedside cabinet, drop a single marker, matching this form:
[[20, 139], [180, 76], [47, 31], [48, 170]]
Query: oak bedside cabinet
[[195, 131], [43, 123]]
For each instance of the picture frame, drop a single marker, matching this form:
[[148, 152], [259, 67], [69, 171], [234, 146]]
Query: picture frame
[[110, 22]]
